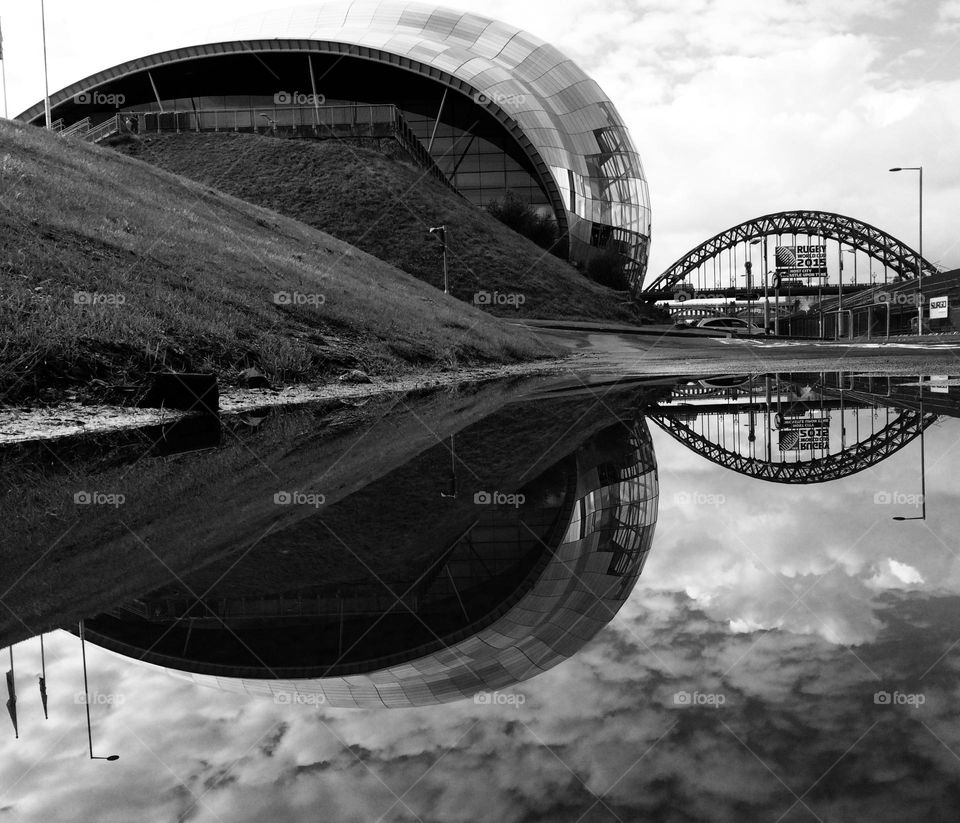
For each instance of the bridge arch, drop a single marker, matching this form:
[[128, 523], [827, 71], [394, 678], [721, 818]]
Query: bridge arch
[[878, 244], [861, 456]]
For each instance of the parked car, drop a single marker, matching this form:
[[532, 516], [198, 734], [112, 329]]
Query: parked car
[[736, 325]]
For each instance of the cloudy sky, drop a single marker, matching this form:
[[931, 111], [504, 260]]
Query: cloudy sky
[[738, 107], [738, 682]]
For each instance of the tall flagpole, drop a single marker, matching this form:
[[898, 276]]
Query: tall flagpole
[[46, 84], [3, 71]]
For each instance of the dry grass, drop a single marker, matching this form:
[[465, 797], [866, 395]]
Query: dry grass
[[185, 276]]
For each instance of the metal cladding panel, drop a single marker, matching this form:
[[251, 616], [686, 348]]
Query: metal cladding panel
[[468, 29], [495, 36]]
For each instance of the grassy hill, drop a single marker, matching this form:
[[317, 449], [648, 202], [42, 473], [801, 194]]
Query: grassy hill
[[384, 206], [111, 267]]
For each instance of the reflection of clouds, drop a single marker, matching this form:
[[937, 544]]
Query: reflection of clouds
[[747, 561], [797, 701], [892, 574]]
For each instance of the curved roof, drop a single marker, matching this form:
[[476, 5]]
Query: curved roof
[[570, 594], [568, 127]]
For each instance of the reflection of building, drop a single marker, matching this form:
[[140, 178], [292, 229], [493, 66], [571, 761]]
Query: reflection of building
[[497, 108], [521, 589]]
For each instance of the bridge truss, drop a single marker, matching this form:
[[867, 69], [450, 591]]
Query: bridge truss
[[895, 257], [859, 456]]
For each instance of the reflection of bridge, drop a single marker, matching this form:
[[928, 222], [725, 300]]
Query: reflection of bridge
[[735, 426], [858, 258]]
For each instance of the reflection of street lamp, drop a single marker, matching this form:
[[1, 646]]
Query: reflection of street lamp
[[86, 702], [920, 257], [923, 473], [453, 472]]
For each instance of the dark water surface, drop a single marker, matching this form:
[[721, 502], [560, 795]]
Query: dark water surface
[[646, 599]]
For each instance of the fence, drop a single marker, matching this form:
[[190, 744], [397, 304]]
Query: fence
[[316, 122]]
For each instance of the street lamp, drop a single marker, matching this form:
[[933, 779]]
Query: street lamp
[[923, 473], [766, 290], [86, 702], [441, 232], [920, 258]]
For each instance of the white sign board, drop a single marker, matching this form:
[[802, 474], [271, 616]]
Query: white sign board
[[801, 261], [801, 433], [939, 308]]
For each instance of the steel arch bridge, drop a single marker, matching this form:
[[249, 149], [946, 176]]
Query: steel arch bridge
[[878, 244], [862, 455]]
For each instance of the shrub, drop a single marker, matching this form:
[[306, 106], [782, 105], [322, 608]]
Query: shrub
[[520, 216], [606, 268]]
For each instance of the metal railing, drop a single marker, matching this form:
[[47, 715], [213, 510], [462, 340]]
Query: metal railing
[[103, 130], [272, 119], [80, 127], [317, 122]]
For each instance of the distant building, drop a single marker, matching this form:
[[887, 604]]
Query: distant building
[[498, 109]]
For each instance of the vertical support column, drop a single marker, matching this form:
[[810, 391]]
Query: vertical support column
[[436, 123]]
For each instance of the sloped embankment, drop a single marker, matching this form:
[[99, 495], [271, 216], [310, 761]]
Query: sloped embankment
[[385, 206], [111, 267]]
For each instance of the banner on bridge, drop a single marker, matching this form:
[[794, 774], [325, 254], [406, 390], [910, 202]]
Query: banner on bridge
[[801, 433], [802, 261]]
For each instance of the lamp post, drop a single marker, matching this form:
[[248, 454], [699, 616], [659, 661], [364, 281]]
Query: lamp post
[[839, 329], [920, 257], [441, 232], [923, 472], [766, 287], [86, 702]]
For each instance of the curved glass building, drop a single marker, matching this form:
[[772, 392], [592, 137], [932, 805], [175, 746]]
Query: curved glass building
[[497, 109], [521, 588]]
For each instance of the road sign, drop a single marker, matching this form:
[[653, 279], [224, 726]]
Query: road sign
[[939, 308]]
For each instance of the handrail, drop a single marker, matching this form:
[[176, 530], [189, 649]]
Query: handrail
[[80, 127], [104, 129]]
